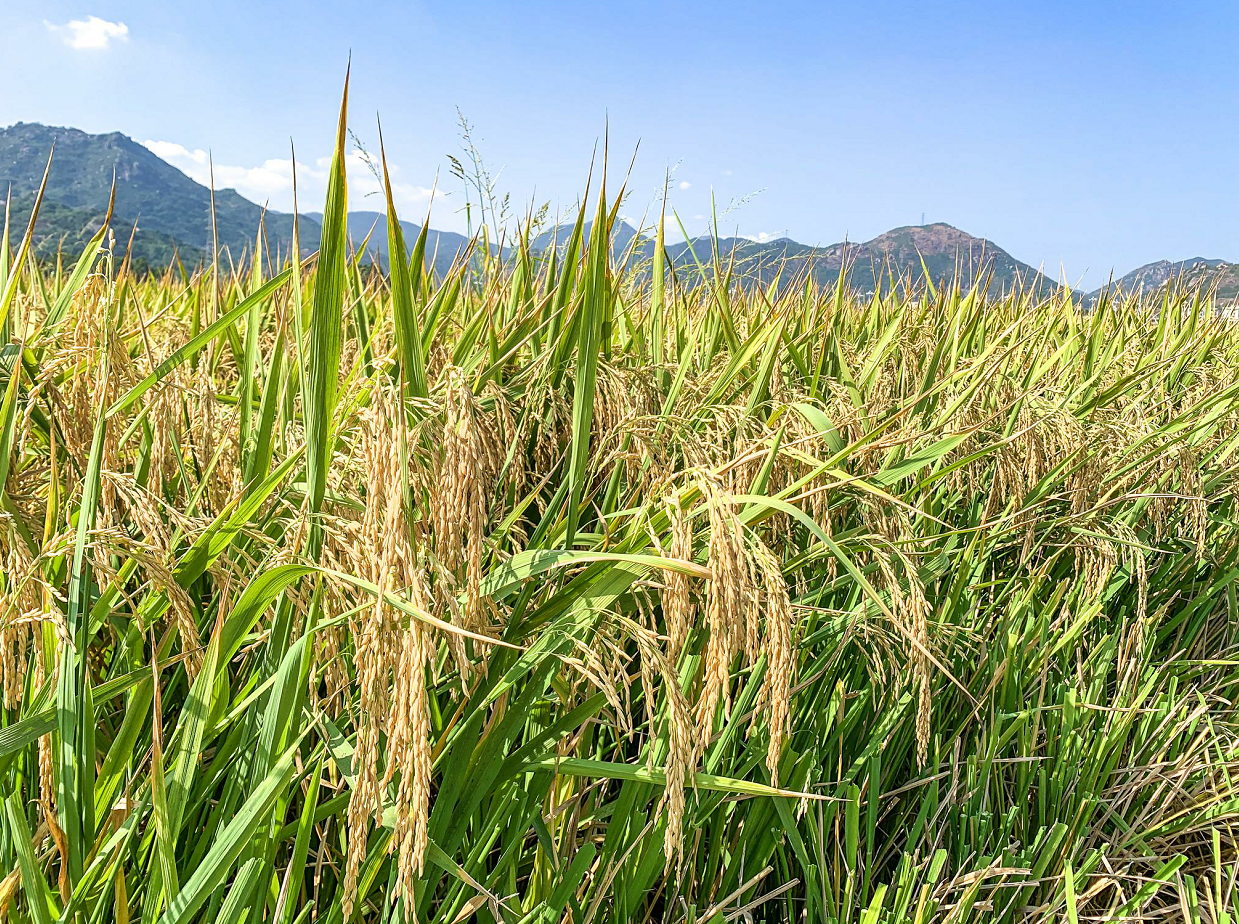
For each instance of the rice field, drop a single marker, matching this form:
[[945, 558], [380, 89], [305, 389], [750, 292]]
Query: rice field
[[562, 588]]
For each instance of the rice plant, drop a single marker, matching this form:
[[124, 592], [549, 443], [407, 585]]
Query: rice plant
[[563, 588]]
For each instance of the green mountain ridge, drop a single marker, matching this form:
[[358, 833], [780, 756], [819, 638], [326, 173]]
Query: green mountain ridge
[[1195, 273], [897, 255], [172, 212], [370, 228]]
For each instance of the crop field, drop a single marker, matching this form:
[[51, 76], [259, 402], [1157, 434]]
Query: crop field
[[566, 589]]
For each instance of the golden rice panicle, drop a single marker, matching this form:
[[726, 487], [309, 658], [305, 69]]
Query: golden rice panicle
[[918, 614], [1096, 559], [13, 656], [599, 662], [623, 402], [508, 441], [409, 746], [684, 747], [683, 752], [1132, 557], [459, 502], [182, 611], [381, 528], [1197, 520], [777, 646], [912, 614], [16, 607], [729, 600], [163, 410], [677, 596], [393, 654], [371, 646], [910, 608]]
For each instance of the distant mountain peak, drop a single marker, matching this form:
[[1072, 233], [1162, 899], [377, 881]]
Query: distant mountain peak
[[1193, 273], [900, 253], [175, 211]]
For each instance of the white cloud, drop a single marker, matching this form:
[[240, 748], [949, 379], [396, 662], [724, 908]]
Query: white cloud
[[91, 32], [272, 180], [762, 237], [684, 184], [173, 152], [726, 173]]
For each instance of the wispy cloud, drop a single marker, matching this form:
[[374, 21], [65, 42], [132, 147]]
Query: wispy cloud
[[684, 184], [89, 33], [272, 180]]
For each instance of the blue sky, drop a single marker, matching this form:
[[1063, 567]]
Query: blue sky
[[1083, 135]]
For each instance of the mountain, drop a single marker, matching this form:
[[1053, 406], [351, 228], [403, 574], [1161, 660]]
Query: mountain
[[173, 216], [1194, 273], [1222, 278], [896, 255], [946, 252], [622, 235], [1154, 275], [442, 247], [171, 211]]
